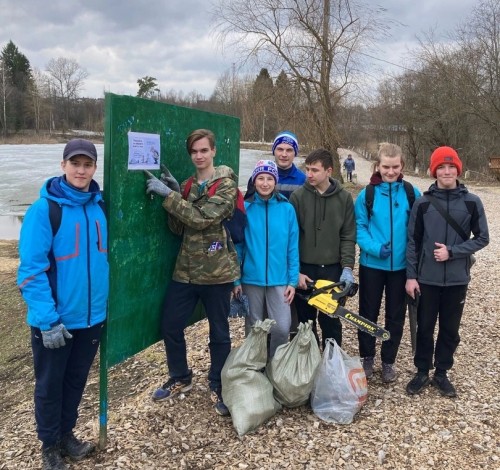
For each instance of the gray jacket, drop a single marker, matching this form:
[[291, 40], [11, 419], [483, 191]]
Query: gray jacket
[[427, 226]]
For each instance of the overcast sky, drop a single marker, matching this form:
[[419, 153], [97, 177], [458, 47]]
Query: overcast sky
[[119, 41]]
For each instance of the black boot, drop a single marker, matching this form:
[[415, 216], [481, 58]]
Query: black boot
[[51, 459], [74, 448]]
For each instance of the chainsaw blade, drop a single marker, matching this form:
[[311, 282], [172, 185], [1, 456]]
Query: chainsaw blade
[[360, 322]]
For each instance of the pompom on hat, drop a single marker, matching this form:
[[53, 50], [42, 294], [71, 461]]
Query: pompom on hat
[[445, 155], [265, 166], [287, 137]]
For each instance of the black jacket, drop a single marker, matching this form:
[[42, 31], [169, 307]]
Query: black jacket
[[427, 226]]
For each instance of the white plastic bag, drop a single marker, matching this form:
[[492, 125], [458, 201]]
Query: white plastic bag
[[294, 366], [340, 388], [246, 390]]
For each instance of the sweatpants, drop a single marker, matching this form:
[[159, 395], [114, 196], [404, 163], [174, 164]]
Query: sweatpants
[[277, 309], [372, 283], [446, 305], [330, 327], [179, 305], [60, 378]]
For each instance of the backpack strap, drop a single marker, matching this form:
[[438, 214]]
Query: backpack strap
[[214, 187], [410, 192], [55, 216], [446, 215], [369, 196], [187, 188]]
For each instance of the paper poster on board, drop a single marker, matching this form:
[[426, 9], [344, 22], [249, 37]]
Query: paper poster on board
[[143, 151]]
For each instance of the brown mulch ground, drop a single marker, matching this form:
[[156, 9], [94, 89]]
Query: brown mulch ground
[[392, 431]]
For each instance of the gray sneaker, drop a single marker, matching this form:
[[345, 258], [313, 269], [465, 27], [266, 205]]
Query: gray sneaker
[[368, 366], [388, 373]]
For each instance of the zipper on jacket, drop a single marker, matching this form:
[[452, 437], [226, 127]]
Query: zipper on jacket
[[267, 238], [89, 280], [446, 234], [391, 225]]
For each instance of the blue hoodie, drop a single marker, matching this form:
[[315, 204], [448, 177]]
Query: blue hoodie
[[270, 253], [387, 224], [80, 251]]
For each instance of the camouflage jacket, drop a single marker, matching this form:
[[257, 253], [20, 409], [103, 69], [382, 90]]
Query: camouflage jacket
[[206, 255]]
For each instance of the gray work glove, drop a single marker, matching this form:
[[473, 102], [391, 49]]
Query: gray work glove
[[154, 185], [167, 178], [347, 277], [54, 338]]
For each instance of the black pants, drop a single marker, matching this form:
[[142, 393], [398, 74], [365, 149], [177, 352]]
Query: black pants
[[372, 283], [180, 302], [60, 378], [445, 304], [330, 327]]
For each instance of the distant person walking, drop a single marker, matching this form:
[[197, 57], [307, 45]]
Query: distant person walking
[[439, 266], [349, 167], [382, 212], [63, 277]]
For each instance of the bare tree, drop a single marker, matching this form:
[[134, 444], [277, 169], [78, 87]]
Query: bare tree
[[313, 41], [66, 77]]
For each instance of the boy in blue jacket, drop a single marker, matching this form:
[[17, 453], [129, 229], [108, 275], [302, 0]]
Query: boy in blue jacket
[[381, 233], [269, 255], [63, 277], [285, 149]]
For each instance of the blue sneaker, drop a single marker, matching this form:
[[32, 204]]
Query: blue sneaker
[[172, 388], [219, 405]]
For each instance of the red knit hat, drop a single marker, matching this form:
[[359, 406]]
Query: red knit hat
[[443, 155]]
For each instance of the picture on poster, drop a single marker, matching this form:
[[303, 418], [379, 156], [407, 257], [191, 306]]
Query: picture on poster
[[143, 151]]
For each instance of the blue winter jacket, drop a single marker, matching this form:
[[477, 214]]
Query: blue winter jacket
[[79, 295], [387, 224], [270, 253], [289, 180]]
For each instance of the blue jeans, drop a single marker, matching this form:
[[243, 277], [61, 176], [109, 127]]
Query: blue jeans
[[60, 378], [180, 302]]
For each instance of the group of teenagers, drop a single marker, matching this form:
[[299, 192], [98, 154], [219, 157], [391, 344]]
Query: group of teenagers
[[301, 227]]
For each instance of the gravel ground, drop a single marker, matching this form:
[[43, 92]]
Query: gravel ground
[[392, 431]]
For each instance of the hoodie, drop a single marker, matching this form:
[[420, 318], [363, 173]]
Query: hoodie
[[327, 229]]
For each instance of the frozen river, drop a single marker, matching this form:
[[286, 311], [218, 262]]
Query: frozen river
[[24, 168]]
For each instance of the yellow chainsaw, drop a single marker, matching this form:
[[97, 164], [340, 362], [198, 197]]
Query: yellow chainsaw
[[330, 297]]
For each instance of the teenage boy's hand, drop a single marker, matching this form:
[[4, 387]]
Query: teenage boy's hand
[[153, 184], [167, 178], [54, 338]]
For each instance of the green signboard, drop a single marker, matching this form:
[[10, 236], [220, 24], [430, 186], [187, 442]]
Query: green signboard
[[142, 250]]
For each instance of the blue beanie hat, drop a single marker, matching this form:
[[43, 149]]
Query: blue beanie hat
[[286, 137], [265, 166]]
